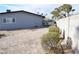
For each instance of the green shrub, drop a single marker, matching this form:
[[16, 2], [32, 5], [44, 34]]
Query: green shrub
[[54, 29], [51, 35], [51, 39]]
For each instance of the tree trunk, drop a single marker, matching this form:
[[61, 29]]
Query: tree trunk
[[68, 24], [62, 50]]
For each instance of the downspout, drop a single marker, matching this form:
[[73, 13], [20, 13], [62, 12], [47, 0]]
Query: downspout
[[68, 25]]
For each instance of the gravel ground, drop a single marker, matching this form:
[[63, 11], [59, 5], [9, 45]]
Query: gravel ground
[[25, 41]]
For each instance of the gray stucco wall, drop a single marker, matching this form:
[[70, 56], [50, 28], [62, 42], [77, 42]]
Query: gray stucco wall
[[23, 20]]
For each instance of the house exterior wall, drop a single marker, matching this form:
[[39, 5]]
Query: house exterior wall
[[73, 30], [22, 20]]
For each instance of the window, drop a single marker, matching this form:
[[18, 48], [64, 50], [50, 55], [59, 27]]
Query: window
[[8, 20], [4, 20], [13, 20]]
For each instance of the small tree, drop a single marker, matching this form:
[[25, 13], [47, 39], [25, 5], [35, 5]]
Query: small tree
[[51, 40], [56, 14]]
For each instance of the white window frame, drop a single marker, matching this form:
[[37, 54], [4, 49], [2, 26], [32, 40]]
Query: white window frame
[[8, 20]]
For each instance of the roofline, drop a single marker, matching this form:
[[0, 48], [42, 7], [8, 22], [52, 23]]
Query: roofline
[[22, 11]]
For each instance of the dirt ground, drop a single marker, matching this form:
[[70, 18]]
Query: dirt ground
[[25, 41]]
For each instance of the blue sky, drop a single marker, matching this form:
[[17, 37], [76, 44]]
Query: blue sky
[[41, 8]]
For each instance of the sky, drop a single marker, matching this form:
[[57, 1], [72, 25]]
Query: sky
[[39, 1], [34, 8]]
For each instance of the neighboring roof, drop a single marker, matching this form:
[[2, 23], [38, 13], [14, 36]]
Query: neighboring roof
[[22, 11]]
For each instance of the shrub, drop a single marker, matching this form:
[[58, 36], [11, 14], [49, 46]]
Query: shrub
[[54, 29], [51, 35], [50, 40]]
